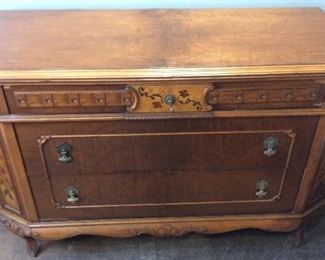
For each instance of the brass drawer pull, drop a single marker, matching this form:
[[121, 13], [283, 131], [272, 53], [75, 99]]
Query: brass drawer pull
[[170, 101], [261, 188], [270, 145], [73, 194], [65, 152]]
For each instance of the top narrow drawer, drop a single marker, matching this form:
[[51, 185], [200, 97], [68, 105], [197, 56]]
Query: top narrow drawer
[[157, 97]]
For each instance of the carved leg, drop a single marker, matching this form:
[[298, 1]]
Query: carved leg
[[33, 246], [298, 236]]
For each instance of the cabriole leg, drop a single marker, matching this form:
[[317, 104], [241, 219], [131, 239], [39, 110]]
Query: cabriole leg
[[33, 246], [299, 236]]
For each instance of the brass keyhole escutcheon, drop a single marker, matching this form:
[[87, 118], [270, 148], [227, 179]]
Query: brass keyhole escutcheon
[[262, 187], [64, 151]]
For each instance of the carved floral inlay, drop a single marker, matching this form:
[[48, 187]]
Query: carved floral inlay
[[186, 100], [6, 187], [157, 99]]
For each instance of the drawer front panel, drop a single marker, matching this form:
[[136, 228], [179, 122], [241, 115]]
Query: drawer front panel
[[160, 151], [134, 169], [51, 99], [264, 95], [136, 97], [136, 162]]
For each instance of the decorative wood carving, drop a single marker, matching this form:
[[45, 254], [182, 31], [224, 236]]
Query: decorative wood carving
[[162, 227], [150, 97], [165, 227], [256, 95], [16, 227], [166, 116], [168, 230], [83, 98], [6, 186]]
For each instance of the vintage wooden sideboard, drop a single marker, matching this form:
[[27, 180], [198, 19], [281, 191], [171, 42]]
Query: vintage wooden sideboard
[[161, 122]]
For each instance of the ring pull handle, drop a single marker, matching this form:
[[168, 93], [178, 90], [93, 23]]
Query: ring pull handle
[[262, 189], [64, 151], [270, 145], [72, 194]]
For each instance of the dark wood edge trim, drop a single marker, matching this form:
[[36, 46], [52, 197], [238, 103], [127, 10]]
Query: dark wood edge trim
[[17, 170], [160, 116], [160, 73], [155, 226], [310, 172]]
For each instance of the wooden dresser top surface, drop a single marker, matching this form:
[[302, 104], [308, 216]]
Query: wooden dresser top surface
[[160, 39]]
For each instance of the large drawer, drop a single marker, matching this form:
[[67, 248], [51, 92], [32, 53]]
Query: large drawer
[[165, 168]]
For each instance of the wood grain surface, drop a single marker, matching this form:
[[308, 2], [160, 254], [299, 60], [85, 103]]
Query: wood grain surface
[[153, 168], [33, 40]]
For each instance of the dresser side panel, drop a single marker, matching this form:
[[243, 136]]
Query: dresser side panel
[[7, 192], [311, 170], [17, 182], [3, 103]]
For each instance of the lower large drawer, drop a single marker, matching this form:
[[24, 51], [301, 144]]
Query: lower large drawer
[[166, 168]]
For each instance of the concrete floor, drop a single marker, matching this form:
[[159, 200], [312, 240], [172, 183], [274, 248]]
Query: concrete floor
[[244, 244]]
